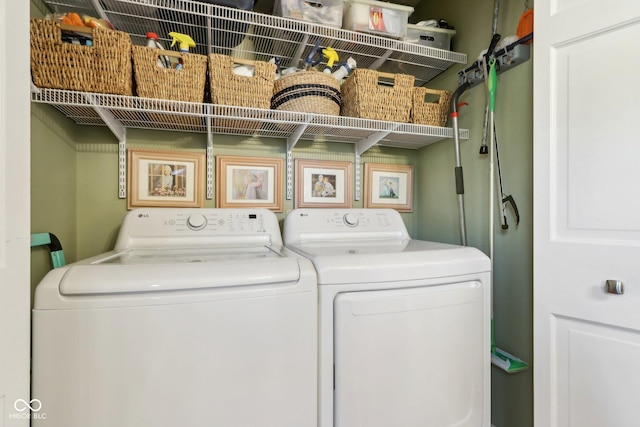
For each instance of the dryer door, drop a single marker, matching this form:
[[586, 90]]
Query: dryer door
[[410, 357]]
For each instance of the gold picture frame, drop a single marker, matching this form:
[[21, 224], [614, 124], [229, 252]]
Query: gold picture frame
[[165, 179], [249, 182], [388, 186], [323, 184]]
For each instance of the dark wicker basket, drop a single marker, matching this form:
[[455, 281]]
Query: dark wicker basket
[[307, 92]]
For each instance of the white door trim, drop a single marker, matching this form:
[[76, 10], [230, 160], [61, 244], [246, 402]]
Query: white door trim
[[14, 212]]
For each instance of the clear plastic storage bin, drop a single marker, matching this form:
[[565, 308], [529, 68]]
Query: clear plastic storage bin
[[377, 17], [440, 38], [328, 12]]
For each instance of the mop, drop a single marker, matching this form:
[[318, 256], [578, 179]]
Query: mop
[[500, 358], [53, 244]]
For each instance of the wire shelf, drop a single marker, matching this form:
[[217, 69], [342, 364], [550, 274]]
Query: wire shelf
[[250, 35], [146, 113], [253, 35]]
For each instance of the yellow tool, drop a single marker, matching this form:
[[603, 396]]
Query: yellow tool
[[185, 41], [331, 56]]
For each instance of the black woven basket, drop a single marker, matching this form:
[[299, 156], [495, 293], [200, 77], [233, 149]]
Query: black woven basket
[[307, 92]]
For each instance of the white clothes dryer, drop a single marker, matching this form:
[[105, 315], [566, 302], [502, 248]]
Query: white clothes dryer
[[404, 325], [198, 317]]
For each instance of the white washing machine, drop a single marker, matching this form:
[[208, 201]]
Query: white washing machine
[[198, 317], [404, 324]]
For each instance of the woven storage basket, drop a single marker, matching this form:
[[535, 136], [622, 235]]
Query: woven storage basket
[[104, 67], [186, 84], [307, 92], [365, 97], [228, 88], [430, 113]]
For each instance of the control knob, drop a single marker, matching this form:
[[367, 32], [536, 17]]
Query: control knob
[[350, 219], [197, 222]]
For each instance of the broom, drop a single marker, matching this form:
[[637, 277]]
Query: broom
[[500, 358]]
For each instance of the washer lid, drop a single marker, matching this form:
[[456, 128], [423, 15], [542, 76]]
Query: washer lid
[[390, 260], [171, 269]]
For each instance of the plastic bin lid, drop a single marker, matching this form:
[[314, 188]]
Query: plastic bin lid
[[427, 28], [238, 4], [382, 4]]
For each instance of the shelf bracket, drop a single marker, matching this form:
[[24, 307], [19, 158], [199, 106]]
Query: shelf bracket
[[120, 132], [209, 159], [381, 60], [209, 28], [362, 146], [122, 169], [297, 56], [99, 10], [292, 140]]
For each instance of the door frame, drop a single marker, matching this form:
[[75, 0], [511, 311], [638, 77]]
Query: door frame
[[14, 213]]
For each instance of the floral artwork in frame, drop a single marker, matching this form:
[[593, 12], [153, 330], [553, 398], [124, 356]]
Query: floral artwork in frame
[[165, 179]]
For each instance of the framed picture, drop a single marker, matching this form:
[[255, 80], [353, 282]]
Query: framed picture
[[388, 186], [322, 184], [249, 182], [165, 179]]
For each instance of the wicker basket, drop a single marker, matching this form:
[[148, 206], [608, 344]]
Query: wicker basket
[[307, 92], [104, 67], [228, 88], [430, 113], [152, 81], [365, 97], [186, 84]]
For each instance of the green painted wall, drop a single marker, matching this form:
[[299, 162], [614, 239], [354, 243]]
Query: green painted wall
[[512, 394], [53, 185], [100, 212]]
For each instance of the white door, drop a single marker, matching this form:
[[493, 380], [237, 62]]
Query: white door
[[14, 213], [587, 213]]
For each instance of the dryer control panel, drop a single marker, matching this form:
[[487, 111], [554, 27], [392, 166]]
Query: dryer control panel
[[186, 227], [305, 225]]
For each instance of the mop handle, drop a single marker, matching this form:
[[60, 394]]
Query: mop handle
[[491, 84]]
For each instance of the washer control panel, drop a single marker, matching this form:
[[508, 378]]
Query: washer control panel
[[193, 226]]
